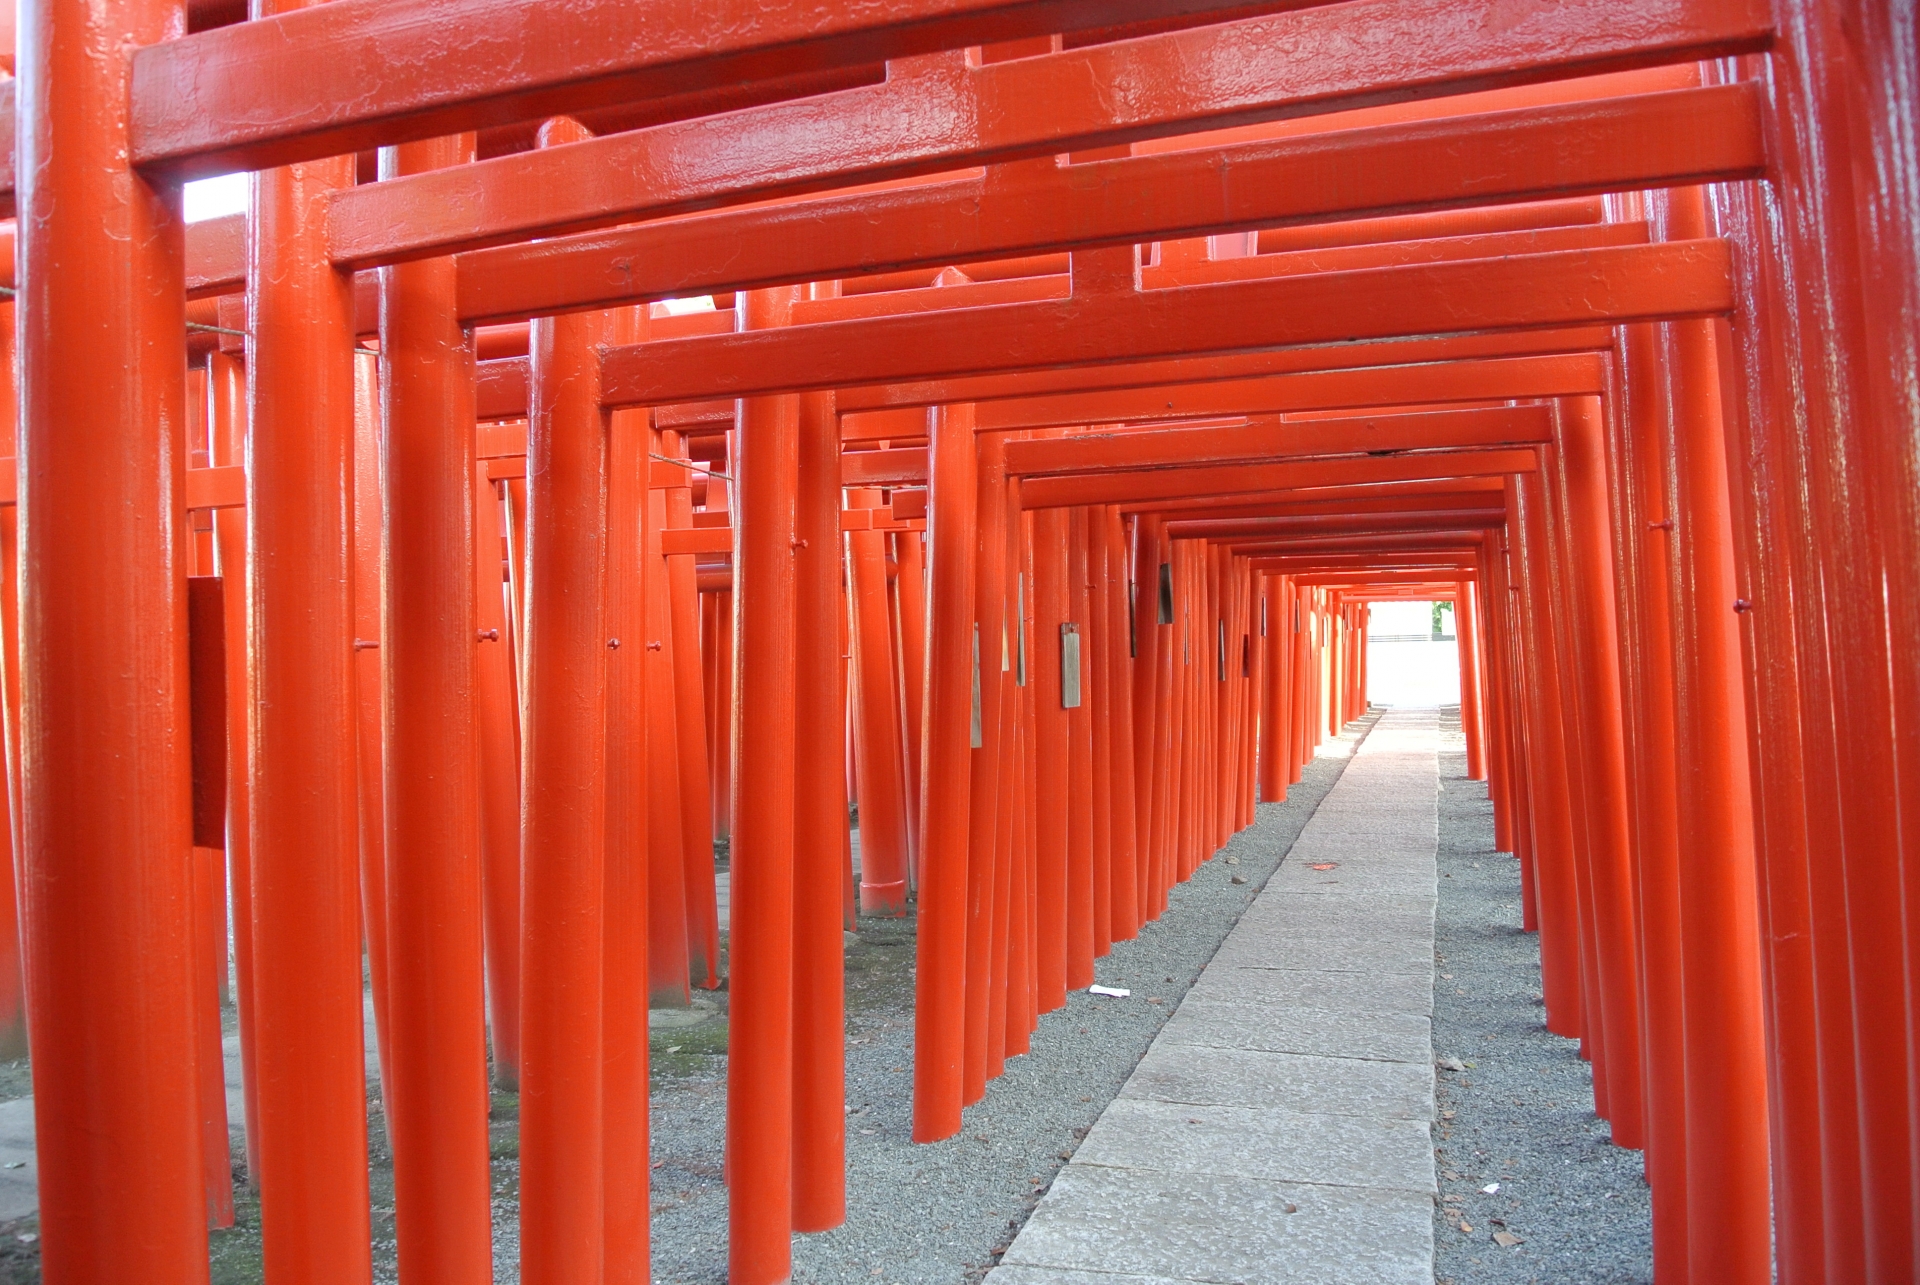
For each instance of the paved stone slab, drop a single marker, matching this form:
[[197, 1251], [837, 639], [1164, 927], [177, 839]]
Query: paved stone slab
[[1279, 1128], [1268, 1143], [1288, 1028], [1372, 918], [1102, 1225], [1296, 1081], [1277, 948], [1364, 992]]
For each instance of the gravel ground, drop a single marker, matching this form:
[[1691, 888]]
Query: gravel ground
[[1521, 1112], [941, 1214]]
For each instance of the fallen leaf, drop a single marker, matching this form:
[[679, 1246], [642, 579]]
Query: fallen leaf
[[1323, 865], [1506, 1239], [1238, 879], [1465, 1226], [673, 1048], [1446, 1115], [1450, 1175], [1293, 1208], [1451, 1064]]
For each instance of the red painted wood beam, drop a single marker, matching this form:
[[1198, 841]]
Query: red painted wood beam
[[1263, 440], [1645, 140], [944, 297], [1123, 488], [1270, 439], [1358, 555], [1331, 499], [942, 113], [1246, 532], [1107, 325], [365, 73], [856, 403], [1430, 378]]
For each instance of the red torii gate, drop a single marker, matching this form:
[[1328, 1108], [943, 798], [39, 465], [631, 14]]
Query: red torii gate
[[1599, 650]]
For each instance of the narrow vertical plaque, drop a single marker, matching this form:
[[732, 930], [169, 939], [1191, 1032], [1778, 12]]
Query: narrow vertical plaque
[[1069, 666], [1020, 630], [975, 738]]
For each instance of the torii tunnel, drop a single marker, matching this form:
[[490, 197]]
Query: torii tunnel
[[406, 571]]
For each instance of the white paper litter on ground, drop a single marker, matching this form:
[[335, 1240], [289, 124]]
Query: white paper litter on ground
[[1114, 991]]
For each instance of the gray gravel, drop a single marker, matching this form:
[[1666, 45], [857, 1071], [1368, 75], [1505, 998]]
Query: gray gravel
[[1521, 1114], [941, 1214]]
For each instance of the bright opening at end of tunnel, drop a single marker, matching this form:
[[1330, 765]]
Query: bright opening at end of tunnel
[[1413, 658]]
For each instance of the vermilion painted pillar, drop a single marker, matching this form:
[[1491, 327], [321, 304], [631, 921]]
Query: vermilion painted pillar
[[227, 440], [1120, 685], [626, 928], [999, 670], [1023, 1004], [1182, 718], [306, 904], [669, 974], [1554, 878], [1079, 854], [760, 1038], [1146, 708], [939, 974], [1814, 1111], [1466, 626], [1303, 680], [1020, 1008], [883, 828], [498, 735], [105, 828], [1728, 1194], [1269, 615], [369, 755], [910, 624], [13, 999], [1841, 232], [1598, 682], [1641, 534], [563, 793], [1100, 718], [983, 804], [715, 710], [436, 1099], [820, 830], [690, 732], [1050, 755]]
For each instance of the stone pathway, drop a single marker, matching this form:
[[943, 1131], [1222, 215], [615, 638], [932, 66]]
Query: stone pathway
[[1278, 1129]]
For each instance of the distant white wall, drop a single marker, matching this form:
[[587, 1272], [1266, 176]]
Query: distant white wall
[[1413, 672]]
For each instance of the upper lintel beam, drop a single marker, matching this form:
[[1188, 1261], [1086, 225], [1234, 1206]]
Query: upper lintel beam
[[355, 74], [1665, 281], [946, 113]]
